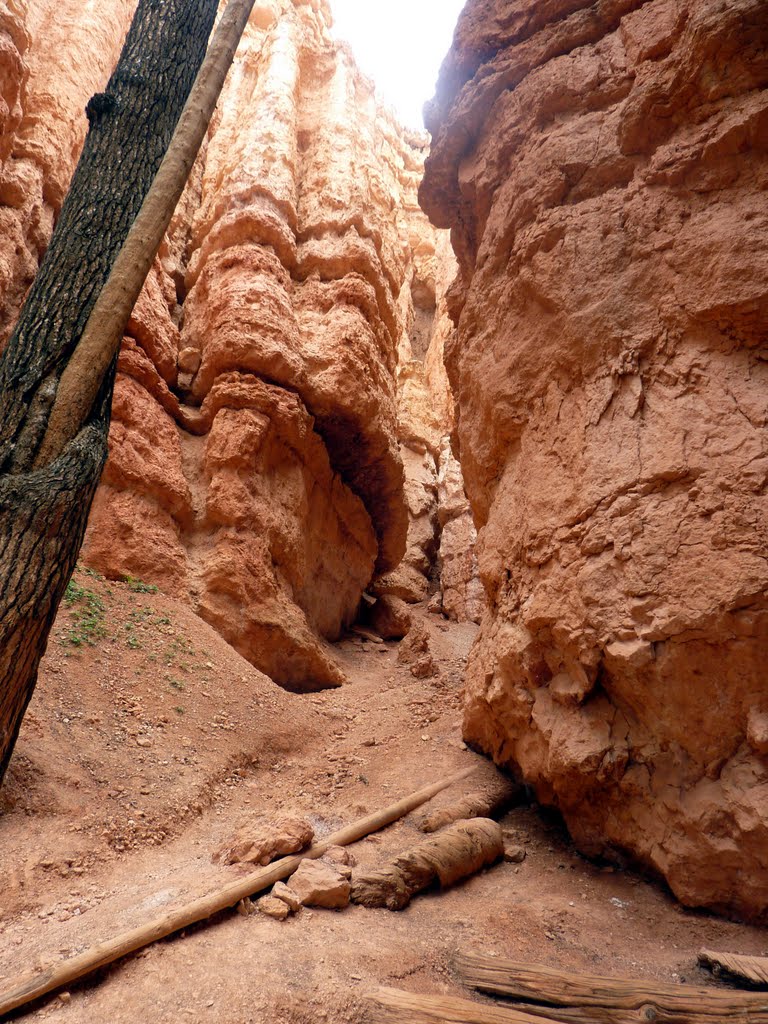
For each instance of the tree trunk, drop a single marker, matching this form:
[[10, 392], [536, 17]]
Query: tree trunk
[[44, 510]]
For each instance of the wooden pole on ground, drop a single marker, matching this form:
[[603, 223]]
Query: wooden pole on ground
[[38, 983], [582, 997], [391, 1006]]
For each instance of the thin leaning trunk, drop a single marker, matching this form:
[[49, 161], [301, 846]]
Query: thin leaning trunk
[[54, 423]]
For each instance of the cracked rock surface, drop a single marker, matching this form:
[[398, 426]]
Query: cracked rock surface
[[603, 169]]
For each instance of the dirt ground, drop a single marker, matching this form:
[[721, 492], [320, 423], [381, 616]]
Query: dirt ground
[[149, 741]]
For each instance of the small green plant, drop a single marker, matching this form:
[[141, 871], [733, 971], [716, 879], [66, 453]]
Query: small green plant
[[88, 616], [179, 710], [176, 648], [133, 642], [139, 586], [176, 683], [89, 572], [141, 615]]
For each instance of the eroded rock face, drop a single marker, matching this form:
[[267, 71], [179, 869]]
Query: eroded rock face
[[603, 168], [259, 387], [440, 549], [267, 395], [463, 597], [53, 57]]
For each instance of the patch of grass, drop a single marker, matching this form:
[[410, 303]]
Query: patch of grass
[[176, 683], [142, 614], [88, 616], [178, 647], [90, 572], [179, 710], [139, 586]]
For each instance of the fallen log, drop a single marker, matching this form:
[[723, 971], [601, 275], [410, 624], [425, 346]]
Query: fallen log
[[488, 800], [458, 852], [391, 1006], [38, 983], [753, 969], [648, 1013], [587, 998]]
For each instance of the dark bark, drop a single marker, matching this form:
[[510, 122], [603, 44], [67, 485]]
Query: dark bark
[[44, 511]]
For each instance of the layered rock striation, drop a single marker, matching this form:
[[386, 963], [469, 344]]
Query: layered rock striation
[[440, 557], [603, 168], [254, 464], [275, 444]]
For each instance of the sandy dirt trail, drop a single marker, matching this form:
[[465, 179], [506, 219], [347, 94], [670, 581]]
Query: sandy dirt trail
[[143, 752]]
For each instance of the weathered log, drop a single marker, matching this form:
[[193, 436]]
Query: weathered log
[[753, 969], [459, 851], [649, 1013], [488, 800], [38, 983], [580, 997], [391, 1006]]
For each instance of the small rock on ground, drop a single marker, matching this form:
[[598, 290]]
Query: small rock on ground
[[282, 892], [319, 884], [271, 906], [340, 855], [260, 841]]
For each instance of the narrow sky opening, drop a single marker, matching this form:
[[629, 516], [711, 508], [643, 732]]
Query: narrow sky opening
[[400, 45]]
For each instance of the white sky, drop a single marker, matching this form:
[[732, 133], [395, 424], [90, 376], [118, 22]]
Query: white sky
[[400, 45]]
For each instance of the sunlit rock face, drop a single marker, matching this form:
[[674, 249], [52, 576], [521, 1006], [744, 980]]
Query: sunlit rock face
[[261, 378], [603, 169]]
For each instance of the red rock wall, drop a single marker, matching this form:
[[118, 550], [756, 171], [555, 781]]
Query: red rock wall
[[257, 448], [440, 560], [603, 169], [262, 410], [254, 463], [53, 57]]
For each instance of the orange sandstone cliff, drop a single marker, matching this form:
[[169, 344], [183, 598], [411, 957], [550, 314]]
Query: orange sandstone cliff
[[269, 459], [254, 465], [603, 168]]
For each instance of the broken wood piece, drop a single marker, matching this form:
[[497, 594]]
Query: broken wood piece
[[391, 1006], [458, 852], [23, 990], [495, 796], [588, 998], [753, 969]]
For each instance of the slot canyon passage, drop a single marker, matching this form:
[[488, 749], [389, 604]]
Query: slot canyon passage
[[429, 450]]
